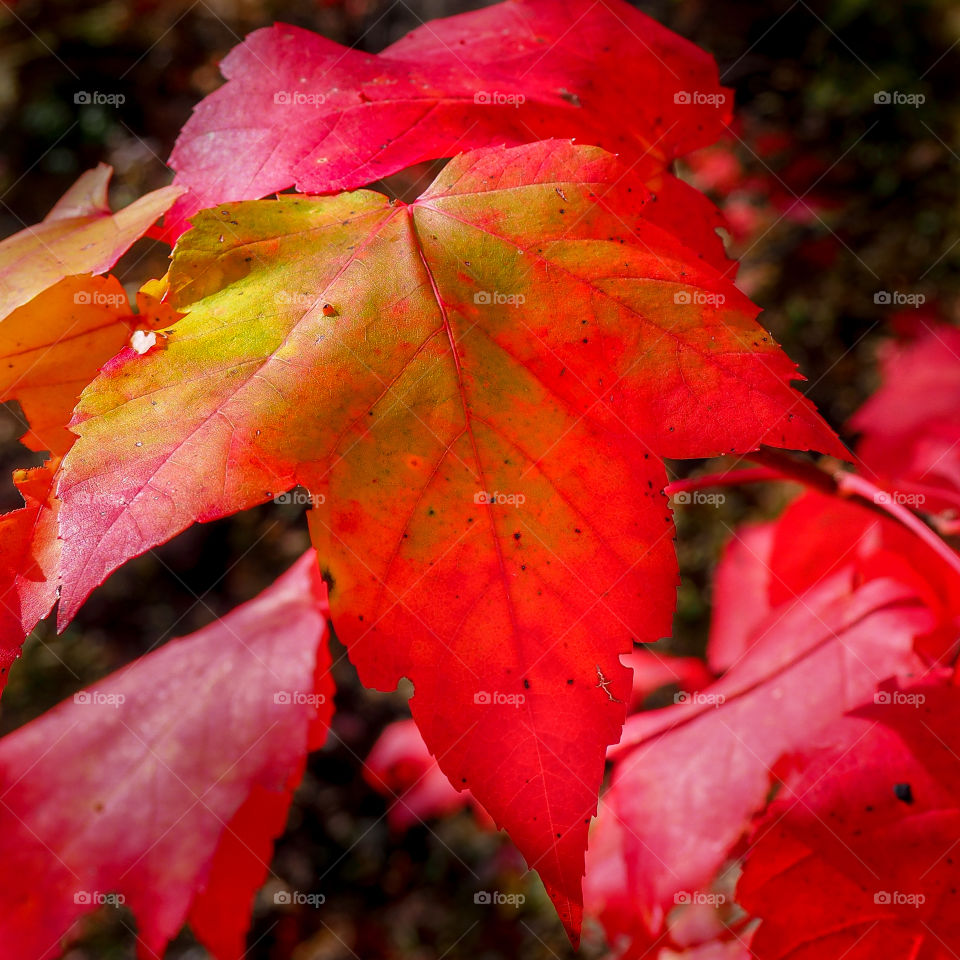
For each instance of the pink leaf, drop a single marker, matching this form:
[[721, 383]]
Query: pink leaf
[[911, 425], [163, 786], [301, 110]]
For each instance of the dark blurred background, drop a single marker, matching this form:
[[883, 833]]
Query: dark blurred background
[[832, 197]]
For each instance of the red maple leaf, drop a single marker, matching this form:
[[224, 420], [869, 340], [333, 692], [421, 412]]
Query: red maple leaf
[[856, 857], [163, 786]]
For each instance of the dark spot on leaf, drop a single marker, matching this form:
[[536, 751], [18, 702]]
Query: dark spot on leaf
[[903, 792]]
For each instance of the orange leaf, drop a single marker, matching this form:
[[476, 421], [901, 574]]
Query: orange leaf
[[79, 235], [29, 556], [53, 346]]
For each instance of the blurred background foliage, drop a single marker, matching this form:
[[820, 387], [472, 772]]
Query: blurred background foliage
[[832, 197]]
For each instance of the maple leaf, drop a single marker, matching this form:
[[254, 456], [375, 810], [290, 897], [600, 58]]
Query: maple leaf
[[50, 349], [298, 109], [741, 594], [688, 778], [911, 425], [53, 346], [197, 750], [402, 768], [29, 557], [79, 235], [803, 552], [478, 389], [608, 897], [767, 565], [694, 930], [854, 859], [807, 632]]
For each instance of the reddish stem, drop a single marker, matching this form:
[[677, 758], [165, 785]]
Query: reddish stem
[[725, 479], [779, 466], [851, 484]]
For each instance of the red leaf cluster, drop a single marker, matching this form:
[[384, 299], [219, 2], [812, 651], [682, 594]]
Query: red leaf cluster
[[475, 392]]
